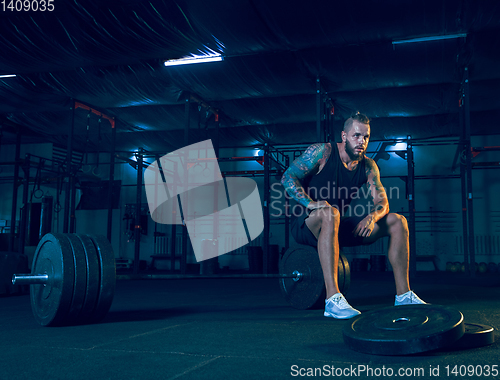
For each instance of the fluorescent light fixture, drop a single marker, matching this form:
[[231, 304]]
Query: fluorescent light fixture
[[194, 59], [399, 146], [398, 114], [7, 76], [432, 38]]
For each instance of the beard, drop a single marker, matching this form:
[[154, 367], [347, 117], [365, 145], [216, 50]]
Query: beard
[[352, 153]]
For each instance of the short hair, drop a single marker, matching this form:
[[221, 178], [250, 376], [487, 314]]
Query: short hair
[[356, 116]]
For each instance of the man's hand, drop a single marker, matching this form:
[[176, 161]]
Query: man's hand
[[365, 227]]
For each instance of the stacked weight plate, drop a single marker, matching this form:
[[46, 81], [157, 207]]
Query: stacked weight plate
[[81, 279]]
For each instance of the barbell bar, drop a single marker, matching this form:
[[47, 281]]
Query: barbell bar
[[37, 279]]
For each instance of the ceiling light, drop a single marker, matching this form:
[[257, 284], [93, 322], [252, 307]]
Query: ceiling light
[[399, 146], [431, 38], [194, 59], [7, 76]]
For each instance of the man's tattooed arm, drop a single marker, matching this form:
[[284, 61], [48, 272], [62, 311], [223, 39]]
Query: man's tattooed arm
[[376, 190], [307, 164]]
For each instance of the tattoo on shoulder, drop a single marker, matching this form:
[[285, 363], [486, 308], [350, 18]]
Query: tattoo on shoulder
[[309, 161], [305, 165], [373, 175], [371, 168]]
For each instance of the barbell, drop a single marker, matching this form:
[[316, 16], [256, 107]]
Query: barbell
[[73, 282], [74, 276]]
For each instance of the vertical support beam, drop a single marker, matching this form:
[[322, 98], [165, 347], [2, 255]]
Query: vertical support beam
[[411, 206], [463, 185], [23, 225], [213, 264], [328, 123], [266, 209], [14, 191], [287, 215], [138, 206], [318, 109], [217, 135], [173, 228], [69, 170], [470, 209], [72, 191], [111, 180], [187, 115]]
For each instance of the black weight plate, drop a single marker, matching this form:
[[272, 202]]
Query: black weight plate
[[403, 330], [80, 285], [476, 335], [345, 273], [309, 292], [92, 279], [107, 276], [51, 302]]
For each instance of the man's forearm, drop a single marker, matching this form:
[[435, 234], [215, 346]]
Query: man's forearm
[[379, 211], [295, 190]]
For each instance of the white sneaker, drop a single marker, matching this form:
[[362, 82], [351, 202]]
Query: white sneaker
[[409, 298], [337, 307]]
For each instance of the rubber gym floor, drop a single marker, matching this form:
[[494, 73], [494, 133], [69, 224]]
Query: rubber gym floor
[[238, 329]]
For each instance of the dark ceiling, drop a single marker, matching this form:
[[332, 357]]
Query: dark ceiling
[[109, 55]]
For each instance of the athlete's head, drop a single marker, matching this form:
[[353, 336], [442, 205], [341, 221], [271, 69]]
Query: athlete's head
[[355, 135]]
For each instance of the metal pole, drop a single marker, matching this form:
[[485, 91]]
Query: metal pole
[[72, 219], [411, 205], [463, 185], [138, 205], [15, 191], [287, 218], [184, 242], [69, 159], [213, 264], [318, 109], [470, 210], [173, 228], [25, 209], [266, 209], [111, 180]]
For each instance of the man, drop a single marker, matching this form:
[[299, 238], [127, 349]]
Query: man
[[323, 180]]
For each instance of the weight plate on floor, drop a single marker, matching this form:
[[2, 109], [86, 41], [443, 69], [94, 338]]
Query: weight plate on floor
[[476, 335], [51, 302], [80, 284], [92, 280], [309, 292], [107, 276], [403, 330]]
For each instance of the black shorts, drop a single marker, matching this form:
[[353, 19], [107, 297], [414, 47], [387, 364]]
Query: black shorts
[[303, 235]]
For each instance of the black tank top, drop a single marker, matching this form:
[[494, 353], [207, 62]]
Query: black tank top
[[335, 183]]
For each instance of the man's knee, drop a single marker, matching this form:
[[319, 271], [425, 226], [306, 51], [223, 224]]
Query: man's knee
[[328, 216], [397, 223]]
